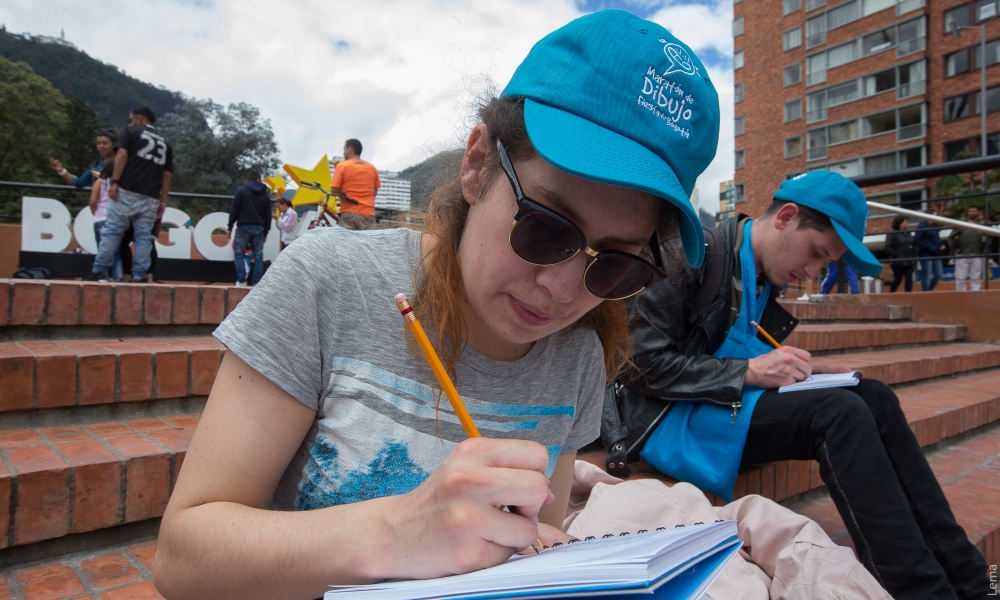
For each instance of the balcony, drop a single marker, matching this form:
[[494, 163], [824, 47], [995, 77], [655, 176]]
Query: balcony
[[814, 78], [814, 116], [815, 39], [914, 88], [910, 46], [911, 132], [817, 153]]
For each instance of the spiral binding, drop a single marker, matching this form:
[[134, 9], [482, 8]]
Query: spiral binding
[[622, 534]]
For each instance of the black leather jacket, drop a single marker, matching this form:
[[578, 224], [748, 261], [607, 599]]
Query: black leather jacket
[[674, 350]]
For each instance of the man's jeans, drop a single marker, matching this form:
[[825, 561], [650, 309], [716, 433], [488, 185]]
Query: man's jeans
[[930, 273], [140, 212], [252, 236], [902, 526]]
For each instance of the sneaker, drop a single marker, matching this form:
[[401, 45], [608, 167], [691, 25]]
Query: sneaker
[[241, 284], [98, 276]]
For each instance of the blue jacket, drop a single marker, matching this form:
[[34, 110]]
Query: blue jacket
[[928, 240], [88, 177]]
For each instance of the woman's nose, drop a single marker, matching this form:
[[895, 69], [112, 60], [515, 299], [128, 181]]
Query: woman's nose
[[564, 281]]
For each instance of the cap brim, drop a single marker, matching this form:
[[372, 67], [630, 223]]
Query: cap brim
[[587, 150], [857, 255]]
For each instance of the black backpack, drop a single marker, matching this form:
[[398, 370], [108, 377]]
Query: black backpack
[[33, 273]]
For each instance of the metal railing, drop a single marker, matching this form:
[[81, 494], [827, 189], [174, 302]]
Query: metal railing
[[914, 88], [911, 132], [957, 167], [75, 199], [910, 46]]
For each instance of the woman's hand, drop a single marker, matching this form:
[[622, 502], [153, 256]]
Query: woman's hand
[[454, 522]]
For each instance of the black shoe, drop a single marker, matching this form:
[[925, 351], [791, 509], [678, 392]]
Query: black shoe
[[98, 276]]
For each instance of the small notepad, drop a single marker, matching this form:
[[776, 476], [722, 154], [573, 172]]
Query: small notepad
[[824, 380], [666, 563]]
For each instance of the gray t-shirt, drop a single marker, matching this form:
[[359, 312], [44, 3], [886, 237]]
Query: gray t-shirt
[[323, 326]]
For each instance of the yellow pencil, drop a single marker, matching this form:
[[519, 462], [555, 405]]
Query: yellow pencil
[[442, 376], [767, 336], [435, 363]]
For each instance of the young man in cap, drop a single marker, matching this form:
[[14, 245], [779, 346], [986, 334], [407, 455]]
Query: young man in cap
[[702, 401]]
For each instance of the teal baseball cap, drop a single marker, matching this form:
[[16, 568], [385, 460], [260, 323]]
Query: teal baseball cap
[[617, 99], [840, 199]]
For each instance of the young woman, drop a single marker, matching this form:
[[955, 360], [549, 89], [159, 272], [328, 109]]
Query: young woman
[[326, 455], [105, 143], [899, 244], [99, 208]]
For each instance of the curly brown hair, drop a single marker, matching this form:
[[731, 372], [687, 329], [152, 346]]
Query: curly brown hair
[[439, 277]]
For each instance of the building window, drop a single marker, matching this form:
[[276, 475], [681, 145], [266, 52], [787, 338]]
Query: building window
[[952, 149], [738, 92], [741, 159], [908, 122], [741, 125], [793, 110], [738, 59], [842, 92], [793, 74], [816, 31], [738, 26], [876, 83], [741, 193], [879, 123], [841, 55], [992, 100], [985, 9], [791, 6], [878, 41], [992, 54], [814, 4], [912, 37], [908, 80], [816, 68], [843, 14], [956, 108], [817, 144], [956, 17], [793, 146], [850, 168], [792, 38], [873, 6], [842, 132], [956, 63]]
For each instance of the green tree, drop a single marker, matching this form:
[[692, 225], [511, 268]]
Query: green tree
[[32, 116], [82, 126], [215, 146]]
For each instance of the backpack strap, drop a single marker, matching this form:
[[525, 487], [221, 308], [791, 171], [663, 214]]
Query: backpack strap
[[711, 275]]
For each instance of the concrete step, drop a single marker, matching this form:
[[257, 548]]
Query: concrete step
[[77, 478], [969, 472], [841, 337], [909, 365], [30, 309], [120, 573], [40, 374], [936, 411], [829, 311]]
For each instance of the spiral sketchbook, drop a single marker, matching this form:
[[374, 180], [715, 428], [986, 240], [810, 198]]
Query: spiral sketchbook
[[824, 380], [675, 563]]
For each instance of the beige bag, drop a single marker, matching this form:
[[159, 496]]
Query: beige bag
[[785, 556]]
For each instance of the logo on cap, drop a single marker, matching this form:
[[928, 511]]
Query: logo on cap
[[680, 60]]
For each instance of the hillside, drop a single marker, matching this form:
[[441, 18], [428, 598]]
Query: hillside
[[427, 176], [104, 87]]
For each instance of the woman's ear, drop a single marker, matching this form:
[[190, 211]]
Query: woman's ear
[[477, 149]]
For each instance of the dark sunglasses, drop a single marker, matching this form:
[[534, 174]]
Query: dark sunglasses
[[542, 236]]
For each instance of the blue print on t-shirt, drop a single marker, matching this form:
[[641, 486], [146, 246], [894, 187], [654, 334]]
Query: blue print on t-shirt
[[392, 472]]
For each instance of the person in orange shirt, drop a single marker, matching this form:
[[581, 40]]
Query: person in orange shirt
[[356, 182]]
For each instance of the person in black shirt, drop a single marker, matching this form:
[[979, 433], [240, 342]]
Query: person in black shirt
[[138, 189], [251, 213]]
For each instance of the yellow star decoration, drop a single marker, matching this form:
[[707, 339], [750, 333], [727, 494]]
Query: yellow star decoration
[[277, 183], [319, 175]]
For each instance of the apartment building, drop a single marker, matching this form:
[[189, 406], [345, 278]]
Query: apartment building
[[859, 87], [727, 200]]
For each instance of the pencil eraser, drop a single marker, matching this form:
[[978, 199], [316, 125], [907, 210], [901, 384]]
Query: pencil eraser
[[400, 298]]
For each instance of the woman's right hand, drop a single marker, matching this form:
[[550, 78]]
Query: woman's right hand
[[454, 521]]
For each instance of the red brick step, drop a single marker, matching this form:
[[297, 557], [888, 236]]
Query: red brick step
[[906, 365], [68, 303], [826, 337], [828, 311], [122, 573], [60, 373], [77, 478]]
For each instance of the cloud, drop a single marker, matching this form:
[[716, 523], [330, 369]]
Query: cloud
[[400, 76]]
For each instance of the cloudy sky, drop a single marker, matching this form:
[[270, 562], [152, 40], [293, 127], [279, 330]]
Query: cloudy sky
[[401, 75]]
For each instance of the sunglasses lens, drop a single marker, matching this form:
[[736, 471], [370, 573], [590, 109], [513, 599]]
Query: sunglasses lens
[[617, 276], [543, 239]]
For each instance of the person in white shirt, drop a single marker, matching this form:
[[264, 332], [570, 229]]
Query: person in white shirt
[[286, 219]]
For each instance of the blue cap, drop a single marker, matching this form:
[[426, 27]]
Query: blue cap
[[838, 198], [617, 99]]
